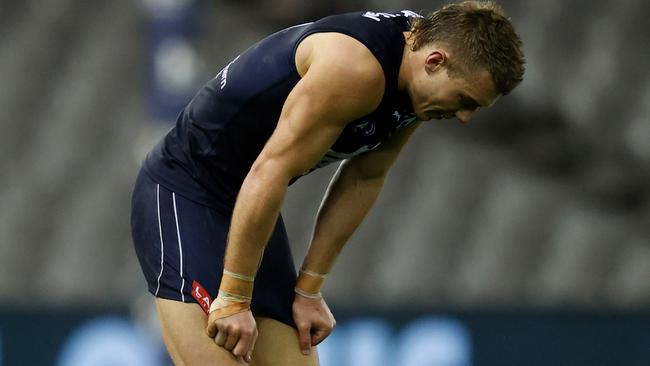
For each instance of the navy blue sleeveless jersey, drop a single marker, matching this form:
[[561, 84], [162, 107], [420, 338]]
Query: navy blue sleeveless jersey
[[220, 133]]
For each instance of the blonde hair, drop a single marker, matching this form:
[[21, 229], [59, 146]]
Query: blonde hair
[[480, 36]]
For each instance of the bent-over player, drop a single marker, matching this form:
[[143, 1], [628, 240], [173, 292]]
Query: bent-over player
[[206, 206]]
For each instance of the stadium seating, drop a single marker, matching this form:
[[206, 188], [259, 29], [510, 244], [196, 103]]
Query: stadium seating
[[543, 201]]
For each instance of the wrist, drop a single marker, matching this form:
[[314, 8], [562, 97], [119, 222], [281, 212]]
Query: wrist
[[309, 283], [235, 294]]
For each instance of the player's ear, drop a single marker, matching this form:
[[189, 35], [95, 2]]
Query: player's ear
[[435, 60]]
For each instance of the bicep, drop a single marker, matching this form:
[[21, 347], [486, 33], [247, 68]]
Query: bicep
[[330, 94], [303, 134]]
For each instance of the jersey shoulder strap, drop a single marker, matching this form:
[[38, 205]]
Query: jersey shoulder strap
[[381, 33]]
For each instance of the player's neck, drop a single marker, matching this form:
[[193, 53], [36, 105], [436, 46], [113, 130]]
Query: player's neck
[[406, 69]]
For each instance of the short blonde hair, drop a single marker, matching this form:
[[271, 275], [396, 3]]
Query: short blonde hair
[[480, 36]]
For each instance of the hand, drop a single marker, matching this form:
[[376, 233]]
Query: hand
[[314, 321], [237, 333]]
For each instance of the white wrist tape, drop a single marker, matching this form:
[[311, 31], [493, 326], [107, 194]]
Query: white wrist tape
[[239, 276]]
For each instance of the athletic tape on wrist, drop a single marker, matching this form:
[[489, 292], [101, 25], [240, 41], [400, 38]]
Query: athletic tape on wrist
[[239, 276], [234, 297], [223, 307], [236, 285], [235, 294], [312, 273], [308, 295], [309, 283]]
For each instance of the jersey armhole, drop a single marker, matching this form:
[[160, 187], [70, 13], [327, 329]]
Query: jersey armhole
[[310, 32]]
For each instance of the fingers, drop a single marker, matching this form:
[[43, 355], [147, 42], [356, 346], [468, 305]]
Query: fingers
[[304, 337], [239, 342], [321, 332], [231, 341], [220, 338], [244, 347], [319, 336], [249, 355]]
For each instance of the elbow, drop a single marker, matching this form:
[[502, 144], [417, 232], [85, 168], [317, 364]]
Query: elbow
[[269, 172], [365, 175]]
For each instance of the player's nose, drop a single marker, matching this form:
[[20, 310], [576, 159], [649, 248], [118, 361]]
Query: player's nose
[[464, 116]]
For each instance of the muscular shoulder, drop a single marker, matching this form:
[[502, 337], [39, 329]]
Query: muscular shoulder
[[342, 54], [344, 64]]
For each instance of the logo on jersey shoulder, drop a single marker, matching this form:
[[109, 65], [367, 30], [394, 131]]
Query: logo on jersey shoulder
[[367, 128], [201, 296], [224, 73], [404, 13]]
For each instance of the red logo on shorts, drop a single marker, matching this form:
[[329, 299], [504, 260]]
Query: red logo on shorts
[[201, 296]]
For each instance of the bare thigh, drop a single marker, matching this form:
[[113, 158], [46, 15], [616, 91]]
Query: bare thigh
[[277, 344], [183, 327]]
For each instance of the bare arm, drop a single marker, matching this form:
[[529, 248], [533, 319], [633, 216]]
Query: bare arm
[[351, 194], [332, 92], [341, 81]]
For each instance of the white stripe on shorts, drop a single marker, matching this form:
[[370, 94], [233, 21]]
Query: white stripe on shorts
[[162, 244], [180, 246]]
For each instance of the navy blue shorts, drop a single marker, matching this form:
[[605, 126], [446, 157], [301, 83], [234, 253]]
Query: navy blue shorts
[[179, 242]]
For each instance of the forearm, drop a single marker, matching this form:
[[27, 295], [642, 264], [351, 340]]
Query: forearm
[[346, 203], [254, 217], [352, 193]]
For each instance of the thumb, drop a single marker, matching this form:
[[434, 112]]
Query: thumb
[[211, 329], [304, 338]]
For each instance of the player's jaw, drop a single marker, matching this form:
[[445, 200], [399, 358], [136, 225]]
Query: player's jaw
[[439, 104], [443, 97], [441, 114], [437, 110]]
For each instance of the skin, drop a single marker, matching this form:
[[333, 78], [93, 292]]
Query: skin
[[182, 328], [436, 95], [308, 126]]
